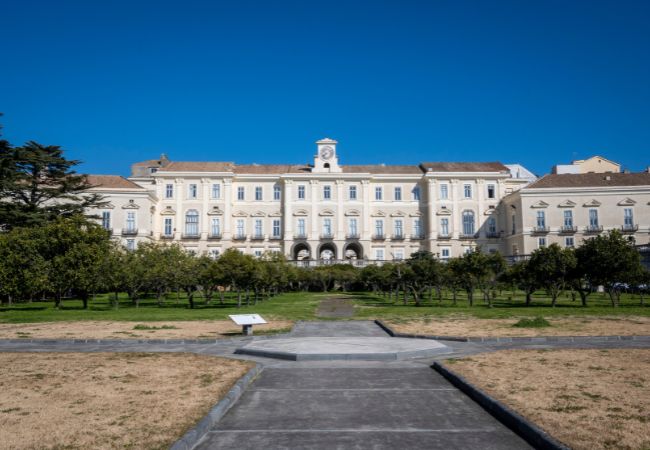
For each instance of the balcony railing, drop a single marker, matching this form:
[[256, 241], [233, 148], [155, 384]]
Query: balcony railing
[[397, 237], [629, 228], [214, 236], [275, 237], [167, 236], [300, 236], [568, 229], [417, 237], [378, 237], [444, 236], [468, 236], [191, 236], [239, 237], [492, 235], [540, 230], [257, 237], [327, 236], [129, 231], [593, 229], [352, 236]]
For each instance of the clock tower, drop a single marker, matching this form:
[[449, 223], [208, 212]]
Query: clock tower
[[326, 160]]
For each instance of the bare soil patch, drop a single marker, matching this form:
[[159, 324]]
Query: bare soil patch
[[588, 399], [107, 400], [564, 326], [199, 329]]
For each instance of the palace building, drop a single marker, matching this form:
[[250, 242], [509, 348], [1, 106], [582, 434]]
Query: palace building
[[327, 211]]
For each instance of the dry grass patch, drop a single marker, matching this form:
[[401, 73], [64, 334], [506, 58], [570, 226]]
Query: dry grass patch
[[107, 400], [588, 399], [563, 326], [199, 329]]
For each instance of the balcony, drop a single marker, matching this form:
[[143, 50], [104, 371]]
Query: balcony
[[629, 228], [239, 237], [352, 236], [257, 237], [129, 231], [275, 237], [397, 237], [444, 236], [302, 236], [492, 235], [594, 229], [417, 237], [568, 229], [191, 236], [214, 236], [540, 230], [167, 236], [466, 237], [327, 236], [378, 237]]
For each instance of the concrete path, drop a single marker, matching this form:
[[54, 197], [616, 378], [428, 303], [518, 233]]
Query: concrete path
[[351, 406]]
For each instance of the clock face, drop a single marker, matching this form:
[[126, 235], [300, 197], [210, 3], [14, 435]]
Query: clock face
[[326, 152]]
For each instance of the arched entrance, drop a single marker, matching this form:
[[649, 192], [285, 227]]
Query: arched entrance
[[353, 250], [327, 251], [301, 251]]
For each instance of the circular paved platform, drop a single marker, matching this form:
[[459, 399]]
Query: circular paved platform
[[357, 348]]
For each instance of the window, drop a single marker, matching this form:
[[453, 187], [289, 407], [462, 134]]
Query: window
[[492, 225], [168, 230], [569, 242], [352, 192], [379, 254], [444, 191], [301, 192], [467, 190], [215, 227], [192, 222], [568, 218], [327, 192], [541, 219], [214, 253], [193, 191], [258, 193], [130, 221], [416, 193], [514, 224], [327, 226], [445, 252], [541, 242], [379, 227], [106, 220], [130, 244], [276, 228], [468, 223], [444, 226], [628, 218], [169, 191], [399, 228], [417, 228], [352, 227], [398, 194], [398, 254], [241, 231], [491, 191], [258, 228], [240, 193], [216, 190], [301, 227], [593, 218], [257, 252], [277, 193], [378, 193]]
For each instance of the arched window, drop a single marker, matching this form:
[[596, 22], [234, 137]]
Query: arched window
[[468, 223], [192, 222]]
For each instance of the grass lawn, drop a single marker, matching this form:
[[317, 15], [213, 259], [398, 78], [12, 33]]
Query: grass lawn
[[108, 400], [588, 399], [302, 306]]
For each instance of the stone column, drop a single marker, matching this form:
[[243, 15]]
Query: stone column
[[227, 210]]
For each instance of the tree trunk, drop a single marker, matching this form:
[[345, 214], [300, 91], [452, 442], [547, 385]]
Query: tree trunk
[[116, 301], [248, 297], [529, 298], [84, 299], [553, 299], [470, 297], [190, 298], [221, 296], [238, 298], [256, 297], [405, 292], [454, 296], [583, 297], [9, 300]]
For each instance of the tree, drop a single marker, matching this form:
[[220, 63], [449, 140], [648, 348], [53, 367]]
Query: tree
[[474, 269], [238, 269], [521, 276], [609, 260], [40, 185], [422, 274], [551, 267]]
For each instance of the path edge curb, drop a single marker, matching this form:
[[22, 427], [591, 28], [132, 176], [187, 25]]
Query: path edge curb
[[527, 430], [200, 430]]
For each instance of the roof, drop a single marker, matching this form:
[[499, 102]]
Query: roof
[[273, 169], [577, 180], [382, 168], [192, 166], [111, 182], [464, 167]]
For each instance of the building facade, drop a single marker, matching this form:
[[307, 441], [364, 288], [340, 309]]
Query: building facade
[[329, 211]]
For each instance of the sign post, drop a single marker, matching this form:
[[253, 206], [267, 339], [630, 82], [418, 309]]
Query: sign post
[[247, 321]]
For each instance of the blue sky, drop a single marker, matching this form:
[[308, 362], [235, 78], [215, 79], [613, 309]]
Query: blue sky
[[402, 81]]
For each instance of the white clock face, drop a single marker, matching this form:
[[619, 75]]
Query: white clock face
[[326, 152]]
